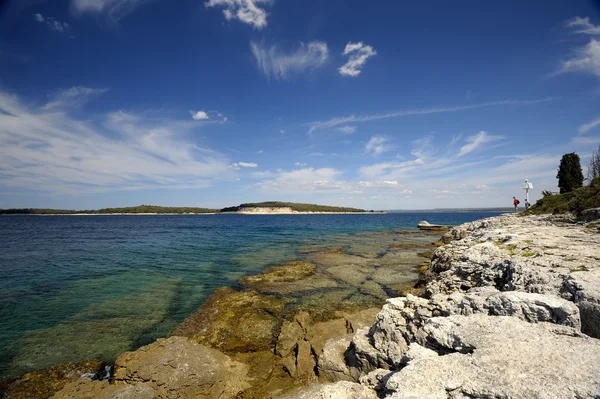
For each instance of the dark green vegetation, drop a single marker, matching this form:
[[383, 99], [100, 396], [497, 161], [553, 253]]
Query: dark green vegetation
[[132, 210], [294, 206], [570, 176], [575, 201]]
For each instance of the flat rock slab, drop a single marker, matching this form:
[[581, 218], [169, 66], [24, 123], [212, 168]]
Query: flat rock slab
[[500, 357]]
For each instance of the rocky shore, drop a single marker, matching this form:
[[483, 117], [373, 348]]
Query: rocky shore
[[509, 308], [262, 337]]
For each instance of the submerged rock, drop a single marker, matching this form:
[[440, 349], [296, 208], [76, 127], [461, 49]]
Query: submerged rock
[[42, 384], [234, 321]]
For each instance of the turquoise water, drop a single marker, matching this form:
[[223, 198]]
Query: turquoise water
[[83, 287]]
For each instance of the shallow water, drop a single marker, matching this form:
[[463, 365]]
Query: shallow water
[[83, 287]]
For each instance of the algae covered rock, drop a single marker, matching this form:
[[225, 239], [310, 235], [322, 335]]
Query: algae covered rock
[[44, 383], [235, 321]]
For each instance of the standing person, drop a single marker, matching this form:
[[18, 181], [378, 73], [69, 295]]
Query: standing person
[[527, 204], [516, 203]]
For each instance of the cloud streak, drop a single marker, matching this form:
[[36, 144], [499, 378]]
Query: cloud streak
[[477, 141], [334, 122], [75, 96], [583, 26], [115, 10], [278, 64], [586, 127], [52, 23]]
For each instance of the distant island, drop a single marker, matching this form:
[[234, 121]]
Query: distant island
[[132, 210], [269, 207], [277, 207]]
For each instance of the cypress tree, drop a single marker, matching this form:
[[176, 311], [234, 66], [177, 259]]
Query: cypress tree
[[570, 175]]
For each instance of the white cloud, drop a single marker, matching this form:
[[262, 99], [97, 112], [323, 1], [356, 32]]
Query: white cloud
[[377, 145], [282, 131], [586, 59], [199, 115], [113, 9], [300, 164], [477, 141], [423, 147], [74, 97], [239, 165], [334, 122], [246, 11], [259, 151], [213, 116], [347, 129], [359, 54], [323, 180], [52, 23], [583, 26], [53, 152], [278, 64], [586, 127]]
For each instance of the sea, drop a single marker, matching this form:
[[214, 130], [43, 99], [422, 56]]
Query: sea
[[74, 288]]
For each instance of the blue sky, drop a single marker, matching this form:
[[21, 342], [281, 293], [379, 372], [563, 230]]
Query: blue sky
[[393, 105]]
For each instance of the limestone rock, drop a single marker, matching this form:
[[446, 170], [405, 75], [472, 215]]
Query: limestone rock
[[500, 357], [341, 389], [179, 368], [332, 361], [87, 389]]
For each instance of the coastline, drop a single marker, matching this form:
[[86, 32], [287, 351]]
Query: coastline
[[331, 292], [508, 306]]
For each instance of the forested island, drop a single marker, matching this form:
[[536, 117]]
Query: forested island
[[275, 206], [260, 207], [141, 209]]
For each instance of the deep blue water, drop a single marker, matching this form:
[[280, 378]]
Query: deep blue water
[[78, 287]]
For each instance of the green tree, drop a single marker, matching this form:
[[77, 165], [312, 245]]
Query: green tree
[[569, 174], [594, 166]]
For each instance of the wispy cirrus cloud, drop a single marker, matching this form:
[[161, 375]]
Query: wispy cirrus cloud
[[358, 54], [585, 59], [586, 127], [477, 141], [73, 97], [274, 62], [377, 145], [52, 23], [239, 165], [114, 10], [53, 152], [347, 129], [583, 26], [246, 11], [339, 121]]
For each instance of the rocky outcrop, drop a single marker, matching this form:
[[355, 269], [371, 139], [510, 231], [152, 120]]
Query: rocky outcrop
[[169, 368], [425, 225], [44, 383], [512, 310]]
